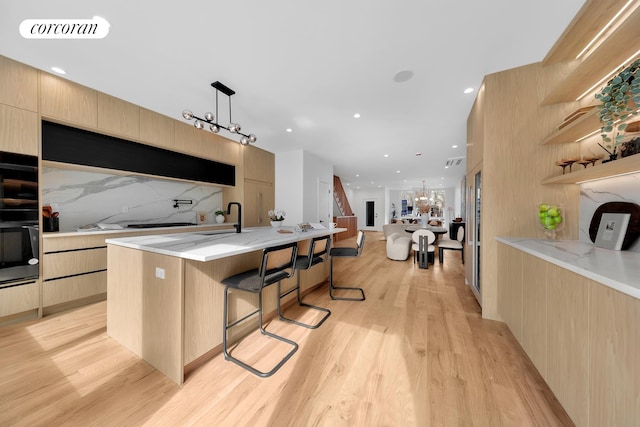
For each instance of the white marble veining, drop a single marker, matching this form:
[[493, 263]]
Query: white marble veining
[[619, 270], [617, 189], [210, 245], [90, 197]]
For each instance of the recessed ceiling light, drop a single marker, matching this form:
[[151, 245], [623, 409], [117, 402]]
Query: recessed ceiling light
[[468, 90], [373, 182], [289, 130], [442, 177], [348, 184], [357, 176], [403, 76], [357, 188], [356, 116], [58, 70], [386, 155], [446, 167], [454, 146], [397, 171]]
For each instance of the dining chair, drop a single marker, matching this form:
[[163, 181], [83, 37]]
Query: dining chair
[[452, 245], [423, 246]]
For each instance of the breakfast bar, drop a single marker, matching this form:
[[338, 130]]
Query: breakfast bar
[[165, 299]]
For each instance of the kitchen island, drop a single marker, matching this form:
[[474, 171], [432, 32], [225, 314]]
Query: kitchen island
[[165, 299]]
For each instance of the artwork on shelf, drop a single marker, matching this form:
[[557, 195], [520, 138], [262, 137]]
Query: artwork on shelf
[[612, 230]]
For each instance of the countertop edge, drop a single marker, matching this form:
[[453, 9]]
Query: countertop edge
[[524, 245]]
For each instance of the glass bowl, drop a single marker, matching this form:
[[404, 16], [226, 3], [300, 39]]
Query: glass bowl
[[551, 219]]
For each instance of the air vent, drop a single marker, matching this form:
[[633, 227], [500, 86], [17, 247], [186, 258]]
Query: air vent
[[454, 161]]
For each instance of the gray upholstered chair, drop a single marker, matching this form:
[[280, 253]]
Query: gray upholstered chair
[[341, 252], [452, 245], [317, 252], [277, 264]]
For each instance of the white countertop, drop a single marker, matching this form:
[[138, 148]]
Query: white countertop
[[210, 245], [619, 270]]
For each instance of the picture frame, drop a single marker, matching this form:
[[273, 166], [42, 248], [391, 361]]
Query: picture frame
[[612, 230]]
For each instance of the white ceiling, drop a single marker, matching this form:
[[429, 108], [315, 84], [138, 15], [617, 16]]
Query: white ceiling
[[308, 66]]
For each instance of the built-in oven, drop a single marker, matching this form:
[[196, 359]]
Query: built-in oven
[[19, 214]]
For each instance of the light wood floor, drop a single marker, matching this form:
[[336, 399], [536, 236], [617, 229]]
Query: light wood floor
[[415, 353]]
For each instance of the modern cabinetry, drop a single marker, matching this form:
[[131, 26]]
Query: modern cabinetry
[[259, 189], [580, 335], [74, 267], [18, 108], [118, 117], [68, 102], [19, 301]]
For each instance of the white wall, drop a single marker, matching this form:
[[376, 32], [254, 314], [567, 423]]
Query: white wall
[[357, 204], [289, 185], [297, 176]]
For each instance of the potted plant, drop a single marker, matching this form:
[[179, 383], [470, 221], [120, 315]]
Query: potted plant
[[619, 100], [219, 216], [276, 216]]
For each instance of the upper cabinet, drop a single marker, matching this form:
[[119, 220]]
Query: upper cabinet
[[63, 100], [19, 130], [118, 117], [259, 165], [18, 85]]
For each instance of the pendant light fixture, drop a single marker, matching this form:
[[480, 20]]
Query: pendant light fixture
[[210, 118], [422, 199]]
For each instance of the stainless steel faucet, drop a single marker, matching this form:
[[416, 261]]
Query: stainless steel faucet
[[238, 225]]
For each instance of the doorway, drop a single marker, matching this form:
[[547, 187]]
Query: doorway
[[370, 214], [325, 203]]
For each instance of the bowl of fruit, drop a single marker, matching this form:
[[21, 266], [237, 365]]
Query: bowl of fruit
[[551, 218]]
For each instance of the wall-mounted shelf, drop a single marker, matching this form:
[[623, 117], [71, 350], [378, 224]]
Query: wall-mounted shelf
[[617, 48], [622, 166], [585, 125]]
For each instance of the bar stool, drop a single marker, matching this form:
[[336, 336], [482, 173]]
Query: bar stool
[[318, 252], [276, 261], [338, 252]]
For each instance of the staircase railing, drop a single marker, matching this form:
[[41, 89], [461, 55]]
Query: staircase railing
[[341, 197]]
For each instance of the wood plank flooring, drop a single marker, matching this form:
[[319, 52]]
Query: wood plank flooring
[[415, 353]]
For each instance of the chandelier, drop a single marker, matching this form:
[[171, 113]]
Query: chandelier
[[210, 118], [422, 200]]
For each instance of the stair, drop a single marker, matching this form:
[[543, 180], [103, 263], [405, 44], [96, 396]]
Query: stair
[[341, 197]]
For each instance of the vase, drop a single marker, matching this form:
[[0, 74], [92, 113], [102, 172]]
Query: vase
[[219, 219], [551, 218], [276, 224]]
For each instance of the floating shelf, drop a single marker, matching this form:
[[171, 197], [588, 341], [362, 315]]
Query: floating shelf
[[585, 125], [622, 166], [617, 48]]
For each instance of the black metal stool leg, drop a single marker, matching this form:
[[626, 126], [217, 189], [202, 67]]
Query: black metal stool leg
[[263, 331], [342, 288], [302, 304]]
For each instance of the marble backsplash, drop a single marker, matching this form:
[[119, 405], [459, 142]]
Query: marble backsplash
[[88, 198], [618, 189]]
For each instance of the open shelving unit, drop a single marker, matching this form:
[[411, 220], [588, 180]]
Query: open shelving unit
[[622, 166], [620, 46]]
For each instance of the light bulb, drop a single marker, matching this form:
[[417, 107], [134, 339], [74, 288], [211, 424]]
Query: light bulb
[[208, 116], [244, 140], [187, 114], [198, 124], [234, 127], [214, 128], [252, 138]]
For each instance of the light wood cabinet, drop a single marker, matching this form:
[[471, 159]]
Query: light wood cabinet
[[156, 129], [568, 341], [259, 198], [579, 334], [69, 102], [259, 165], [510, 291], [19, 131], [118, 117], [18, 85], [19, 299]]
